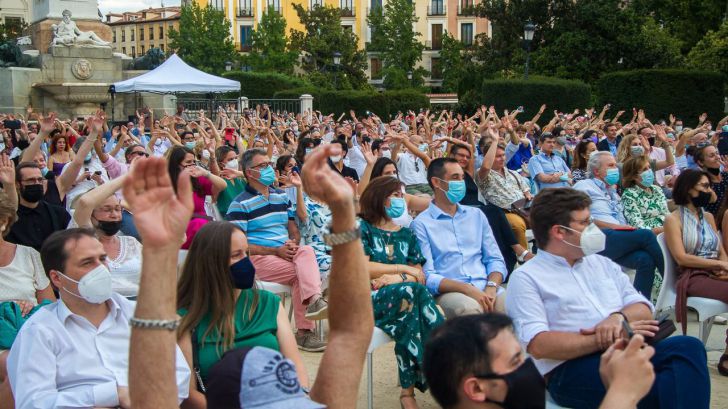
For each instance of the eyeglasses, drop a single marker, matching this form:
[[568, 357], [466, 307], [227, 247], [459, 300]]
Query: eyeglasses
[[140, 153], [261, 165]]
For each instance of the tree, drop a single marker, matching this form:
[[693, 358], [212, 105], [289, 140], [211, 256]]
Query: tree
[[323, 36], [452, 62], [203, 40], [393, 35], [270, 49], [711, 53]]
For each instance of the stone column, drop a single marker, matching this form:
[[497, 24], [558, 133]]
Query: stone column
[[306, 103], [243, 103]]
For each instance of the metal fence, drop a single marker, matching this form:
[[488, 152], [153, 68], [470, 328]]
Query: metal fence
[[278, 105], [232, 106]]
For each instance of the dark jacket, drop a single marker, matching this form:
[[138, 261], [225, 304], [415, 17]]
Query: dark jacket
[[603, 145]]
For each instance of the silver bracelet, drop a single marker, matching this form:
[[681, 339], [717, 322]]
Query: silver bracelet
[[169, 325]]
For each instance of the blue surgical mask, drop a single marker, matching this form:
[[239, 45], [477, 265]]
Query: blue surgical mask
[[396, 207], [88, 157], [637, 150], [44, 171], [678, 128], [648, 177], [267, 176], [190, 145], [455, 190], [612, 177], [243, 273]]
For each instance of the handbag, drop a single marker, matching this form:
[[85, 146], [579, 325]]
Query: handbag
[[521, 207], [196, 363]]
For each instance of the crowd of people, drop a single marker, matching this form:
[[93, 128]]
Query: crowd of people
[[491, 248]]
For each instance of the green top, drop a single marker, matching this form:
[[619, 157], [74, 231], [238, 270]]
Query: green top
[[233, 189], [402, 244], [259, 331]]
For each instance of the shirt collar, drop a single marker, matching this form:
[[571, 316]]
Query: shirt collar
[[553, 258], [600, 184], [542, 153], [64, 312], [254, 192], [436, 212]]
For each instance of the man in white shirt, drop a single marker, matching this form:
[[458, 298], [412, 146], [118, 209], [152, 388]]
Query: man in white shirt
[[568, 305], [75, 353]]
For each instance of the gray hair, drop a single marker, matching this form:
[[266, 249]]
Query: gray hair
[[247, 160], [595, 161]]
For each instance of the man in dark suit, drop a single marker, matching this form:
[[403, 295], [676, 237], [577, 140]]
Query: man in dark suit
[[611, 142]]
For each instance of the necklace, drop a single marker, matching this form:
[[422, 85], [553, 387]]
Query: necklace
[[388, 247]]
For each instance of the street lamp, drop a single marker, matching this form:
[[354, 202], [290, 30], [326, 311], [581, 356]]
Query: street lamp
[[337, 63], [337, 58], [528, 31], [228, 65], [409, 77]]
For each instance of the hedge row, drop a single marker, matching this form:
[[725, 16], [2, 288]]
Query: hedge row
[[565, 95], [684, 93], [256, 85], [381, 103]]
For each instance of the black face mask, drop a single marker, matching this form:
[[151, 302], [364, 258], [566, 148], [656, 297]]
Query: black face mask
[[651, 141], [32, 193], [243, 274], [526, 387], [109, 228], [713, 171], [702, 199]]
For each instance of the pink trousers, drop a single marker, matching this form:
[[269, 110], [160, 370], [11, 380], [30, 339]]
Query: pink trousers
[[302, 274]]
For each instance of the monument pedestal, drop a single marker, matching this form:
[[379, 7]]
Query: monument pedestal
[[41, 32]]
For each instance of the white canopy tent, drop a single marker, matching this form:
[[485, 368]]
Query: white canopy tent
[[175, 76]]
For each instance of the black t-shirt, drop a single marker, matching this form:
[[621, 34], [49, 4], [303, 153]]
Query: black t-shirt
[[34, 225], [345, 171]]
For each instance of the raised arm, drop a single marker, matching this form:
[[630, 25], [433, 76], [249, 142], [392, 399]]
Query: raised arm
[[68, 177], [93, 198], [47, 125]]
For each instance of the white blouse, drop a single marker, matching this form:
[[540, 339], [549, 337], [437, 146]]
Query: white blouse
[[20, 279], [126, 268]]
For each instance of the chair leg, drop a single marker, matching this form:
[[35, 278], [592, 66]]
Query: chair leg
[[370, 382], [320, 330], [290, 309], [704, 329]]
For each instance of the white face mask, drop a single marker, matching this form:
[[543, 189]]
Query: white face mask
[[206, 154], [335, 159], [387, 154], [592, 239], [94, 287], [232, 164]]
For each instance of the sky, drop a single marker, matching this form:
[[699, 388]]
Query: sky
[[117, 6]]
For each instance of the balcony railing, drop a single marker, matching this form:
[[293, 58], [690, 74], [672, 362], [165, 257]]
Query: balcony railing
[[466, 9], [437, 9], [433, 45], [348, 10], [276, 7], [245, 12]]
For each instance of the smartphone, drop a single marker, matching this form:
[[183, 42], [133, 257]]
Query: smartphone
[[520, 108], [98, 173], [627, 329], [86, 170]]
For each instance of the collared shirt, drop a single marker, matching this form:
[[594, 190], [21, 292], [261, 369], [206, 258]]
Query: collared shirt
[[59, 359], [264, 220], [412, 170], [547, 165], [547, 294], [606, 205], [503, 189], [34, 225], [459, 247], [612, 147]]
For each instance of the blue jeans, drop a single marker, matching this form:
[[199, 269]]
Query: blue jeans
[[636, 249], [681, 378], [127, 225]]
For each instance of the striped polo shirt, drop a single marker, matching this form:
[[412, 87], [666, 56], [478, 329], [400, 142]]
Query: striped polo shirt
[[264, 220]]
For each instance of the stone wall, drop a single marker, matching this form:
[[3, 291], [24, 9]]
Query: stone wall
[[16, 90]]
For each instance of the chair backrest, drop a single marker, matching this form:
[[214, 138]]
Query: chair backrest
[[666, 298]]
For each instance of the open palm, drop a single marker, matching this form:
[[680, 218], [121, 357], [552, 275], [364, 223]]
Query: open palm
[[160, 214], [323, 183]]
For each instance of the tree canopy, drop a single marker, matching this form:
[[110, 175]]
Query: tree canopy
[[270, 49]]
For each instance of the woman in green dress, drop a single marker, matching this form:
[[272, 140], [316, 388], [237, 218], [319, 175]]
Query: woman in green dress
[[221, 309], [403, 308], [645, 205]]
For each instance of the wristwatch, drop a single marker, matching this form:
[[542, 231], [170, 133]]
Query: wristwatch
[[492, 284], [337, 239]]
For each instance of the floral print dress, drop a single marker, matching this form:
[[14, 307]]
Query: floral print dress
[[312, 233], [406, 312], [644, 208]]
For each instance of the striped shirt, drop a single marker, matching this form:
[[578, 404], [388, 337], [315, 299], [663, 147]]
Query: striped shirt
[[264, 220]]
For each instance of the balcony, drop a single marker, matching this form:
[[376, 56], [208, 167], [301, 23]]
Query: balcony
[[466, 9], [379, 10], [436, 9], [275, 6], [245, 12], [348, 10], [433, 45], [245, 48]]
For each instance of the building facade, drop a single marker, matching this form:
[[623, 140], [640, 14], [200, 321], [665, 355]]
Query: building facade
[[135, 33], [435, 18], [14, 14]]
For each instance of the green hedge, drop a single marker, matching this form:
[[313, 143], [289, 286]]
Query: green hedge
[[684, 93], [383, 104], [256, 85], [556, 93]]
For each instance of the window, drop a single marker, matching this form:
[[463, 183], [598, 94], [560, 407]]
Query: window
[[123, 49], [466, 33], [133, 33], [436, 68], [151, 32], [141, 33], [437, 8], [436, 36], [161, 32], [376, 68], [141, 50], [347, 27], [245, 37], [113, 36], [245, 8], [276, 4], [465, 8], [217, 4], [161, 47], [317, 3], [14, 26], [133, 51], [123, 35], [347, 8]]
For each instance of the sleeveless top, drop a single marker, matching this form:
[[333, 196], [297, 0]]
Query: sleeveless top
[[698, 235]]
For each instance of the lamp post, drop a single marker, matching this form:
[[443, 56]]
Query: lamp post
[[528, 31], [409, 77], [228, 65], [337, 63]]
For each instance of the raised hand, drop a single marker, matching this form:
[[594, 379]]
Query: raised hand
[[323, 183], [366, 150], [47, 123], [7, 171], [160, 214]]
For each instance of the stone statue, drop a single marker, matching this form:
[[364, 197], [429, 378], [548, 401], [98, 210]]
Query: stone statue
[[12, 56], [67, 33], [151, 60]]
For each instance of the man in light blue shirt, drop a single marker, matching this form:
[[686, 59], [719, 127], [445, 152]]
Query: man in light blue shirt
[[627, 246], [464, 267], [548, 169]]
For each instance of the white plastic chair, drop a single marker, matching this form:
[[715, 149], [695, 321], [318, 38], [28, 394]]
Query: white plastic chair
[[379, 338], [280, 289], [707, 308]]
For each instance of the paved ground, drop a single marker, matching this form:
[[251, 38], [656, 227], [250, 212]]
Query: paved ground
[[386, 392]]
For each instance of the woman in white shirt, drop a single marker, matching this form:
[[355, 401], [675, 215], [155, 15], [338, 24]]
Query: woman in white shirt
[[101, 210]]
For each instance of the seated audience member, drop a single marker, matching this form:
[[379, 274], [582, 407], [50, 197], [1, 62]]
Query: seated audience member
[[313, 218], [181, 159], [221, 309], [645, 205], [476, 361], [612, 141], [568, 304], [707, 158], [100, 209], [264, 214], [412, 162], [548, 169], [695, 244], [37, 219], [162, 217], [230, 172], [337, 162], [403, 308], [34, 153], [626, 245], [464, 269], [503, 187], [83, 339], [582, 152]]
